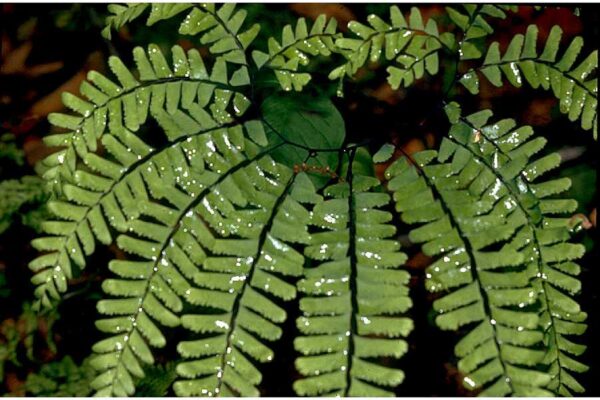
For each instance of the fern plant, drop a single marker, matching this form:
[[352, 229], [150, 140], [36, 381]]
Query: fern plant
[[244, 203]]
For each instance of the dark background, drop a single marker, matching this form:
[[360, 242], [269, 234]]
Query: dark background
[[47, 49]]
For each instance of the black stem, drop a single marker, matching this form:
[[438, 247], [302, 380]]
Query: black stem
[[248, 281], [472, 262], [353, 271]]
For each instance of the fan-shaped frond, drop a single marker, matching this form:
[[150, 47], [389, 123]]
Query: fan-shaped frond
[[186, 102], [296, 47], [192, 198], [414, 47], [569, 81], [353, 299], [457, 221]]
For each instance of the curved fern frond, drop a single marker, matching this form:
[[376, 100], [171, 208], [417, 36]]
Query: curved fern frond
[[121, 15], [237, 283], [218, 25], [353, 299], [501, 146], [185, 102], [569, 82], [296, 47], [461, 210], [159, 92], [480, 198], [474, 25], [177, 224], [414, 47]]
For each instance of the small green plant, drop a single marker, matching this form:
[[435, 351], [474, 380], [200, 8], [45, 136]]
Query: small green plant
[[24, 197], [61, 378], [248, 199]]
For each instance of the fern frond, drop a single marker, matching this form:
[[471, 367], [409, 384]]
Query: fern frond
[[502, 146], [161, 91], [459, 225], [522, 62], [478, 199], [120, 15], [296, 47], [474, 25], [185, 101], [238, 282], [217, 25], [414, 46], [353, 300], [176, 228]]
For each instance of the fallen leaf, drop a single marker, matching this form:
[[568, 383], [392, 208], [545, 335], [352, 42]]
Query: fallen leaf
[[14, 62], [413, 146], [418, 261], [52, 102], [14, 384], [385, 93], [35, 150], [539, 112]]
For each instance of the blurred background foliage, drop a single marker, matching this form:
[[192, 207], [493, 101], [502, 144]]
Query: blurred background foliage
[[47, 49]]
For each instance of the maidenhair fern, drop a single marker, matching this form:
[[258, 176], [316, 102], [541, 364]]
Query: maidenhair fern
[[568, 80], [412, 45], [353, 296], [474, 25], [296, 46], [499, 250], [232, 206]]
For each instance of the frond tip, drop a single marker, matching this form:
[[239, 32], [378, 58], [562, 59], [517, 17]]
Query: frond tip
[[413, 45], [570, 82], [296, 47]]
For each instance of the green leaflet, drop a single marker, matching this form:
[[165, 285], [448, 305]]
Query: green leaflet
[[297, 47], [474, 25], [569, 81], [353, 298], [384, 153], [121, 15], [219, 27], [185, 100], [413, 45]]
